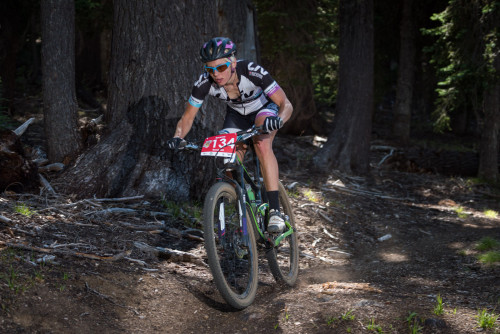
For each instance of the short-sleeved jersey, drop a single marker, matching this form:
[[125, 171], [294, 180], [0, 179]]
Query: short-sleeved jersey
[[254, 83]]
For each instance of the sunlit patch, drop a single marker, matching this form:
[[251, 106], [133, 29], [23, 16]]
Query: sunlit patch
[[423, 282], [457, 245], [393, 257], [331, 288]]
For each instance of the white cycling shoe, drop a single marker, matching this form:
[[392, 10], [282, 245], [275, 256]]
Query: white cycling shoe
[[276, 222]]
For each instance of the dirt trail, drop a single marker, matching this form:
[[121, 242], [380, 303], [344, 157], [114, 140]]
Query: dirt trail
[[350, 281]]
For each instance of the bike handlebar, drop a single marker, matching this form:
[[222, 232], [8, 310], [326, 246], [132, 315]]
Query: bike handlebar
[[241, 136]]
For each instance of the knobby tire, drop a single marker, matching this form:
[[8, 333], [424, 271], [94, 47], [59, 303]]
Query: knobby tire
[[234, 265]]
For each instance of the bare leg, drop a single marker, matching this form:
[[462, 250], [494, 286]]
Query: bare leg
[[269, 165]]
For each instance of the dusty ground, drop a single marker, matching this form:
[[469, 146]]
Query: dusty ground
[[85, 270]]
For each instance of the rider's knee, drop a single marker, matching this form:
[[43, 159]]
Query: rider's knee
[[264, 149]]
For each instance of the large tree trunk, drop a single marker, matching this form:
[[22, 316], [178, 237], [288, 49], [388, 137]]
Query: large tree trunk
[[305, 119], [348, 145], [237, 20], [488, 155], [155, 61], [287, 51], [402, 108], [58, 67]]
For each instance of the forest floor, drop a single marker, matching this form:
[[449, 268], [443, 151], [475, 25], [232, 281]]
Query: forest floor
[[377, 253]]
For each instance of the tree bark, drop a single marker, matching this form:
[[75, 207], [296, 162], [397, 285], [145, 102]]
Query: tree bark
[[237, 20], [403, 105], [288, 52], [155, 61], [488, 154], [58, 68], [348, 145]]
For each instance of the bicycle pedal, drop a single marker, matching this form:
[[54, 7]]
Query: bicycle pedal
[[270, 237]]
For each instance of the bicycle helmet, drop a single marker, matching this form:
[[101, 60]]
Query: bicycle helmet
[[216, 48]]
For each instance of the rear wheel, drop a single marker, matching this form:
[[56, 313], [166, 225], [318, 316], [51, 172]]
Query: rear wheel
[[232, 256], [284, 259]]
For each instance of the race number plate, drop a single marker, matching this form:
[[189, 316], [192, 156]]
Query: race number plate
[[220, 145]]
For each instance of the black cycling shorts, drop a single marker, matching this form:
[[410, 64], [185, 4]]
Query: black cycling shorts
[[235, 121]]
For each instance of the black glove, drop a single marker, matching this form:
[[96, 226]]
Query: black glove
[[176, 143], [272, 123]]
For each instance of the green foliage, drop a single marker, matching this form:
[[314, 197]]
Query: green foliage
[[293, 193], [372, 326], [491, 213], [414, 323], [305, 31], [348, 315], [485, 319], [463, 53], [189, 214], [311, 196], [24, 210], [438, 308], [487, 243], [324, 68], [490, 257], [490, 246], [461, 212]]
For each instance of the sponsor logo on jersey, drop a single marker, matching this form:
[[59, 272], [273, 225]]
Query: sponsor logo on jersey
[[258, 68], [255, 74]]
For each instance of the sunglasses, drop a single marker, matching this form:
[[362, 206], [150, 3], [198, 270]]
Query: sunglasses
[[221, 68]]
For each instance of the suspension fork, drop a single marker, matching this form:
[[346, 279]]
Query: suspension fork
[[237, 180], [242, 207]]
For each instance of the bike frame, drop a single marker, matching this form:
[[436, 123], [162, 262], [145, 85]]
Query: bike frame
[[251, 199]]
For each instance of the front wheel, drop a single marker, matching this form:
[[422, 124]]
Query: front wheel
[[284, 259], [232, 255]]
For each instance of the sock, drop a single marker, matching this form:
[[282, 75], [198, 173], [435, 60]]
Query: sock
[[273, 198]]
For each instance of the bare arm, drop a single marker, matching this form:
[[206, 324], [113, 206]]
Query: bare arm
[[186, 121], [285, 106]]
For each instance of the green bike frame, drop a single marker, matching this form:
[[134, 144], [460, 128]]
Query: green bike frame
[[249, 190]]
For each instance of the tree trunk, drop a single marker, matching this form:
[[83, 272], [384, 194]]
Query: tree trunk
[[237, 20], [305, 119], [348, 145], [403, 105], [154, 63], [58, 67], [287, 51], [488, 154]]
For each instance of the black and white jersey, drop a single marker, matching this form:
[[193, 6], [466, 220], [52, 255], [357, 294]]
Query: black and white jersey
[[254, 83]]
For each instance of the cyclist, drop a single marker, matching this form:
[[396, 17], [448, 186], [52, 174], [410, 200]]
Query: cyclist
[[252, 97]]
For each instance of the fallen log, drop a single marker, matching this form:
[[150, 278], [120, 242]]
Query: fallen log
[[23, 246], [5, 220], [20, 130], [55, 167], [170, 254]]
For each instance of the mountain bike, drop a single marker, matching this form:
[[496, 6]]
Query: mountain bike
[[235, 221]]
